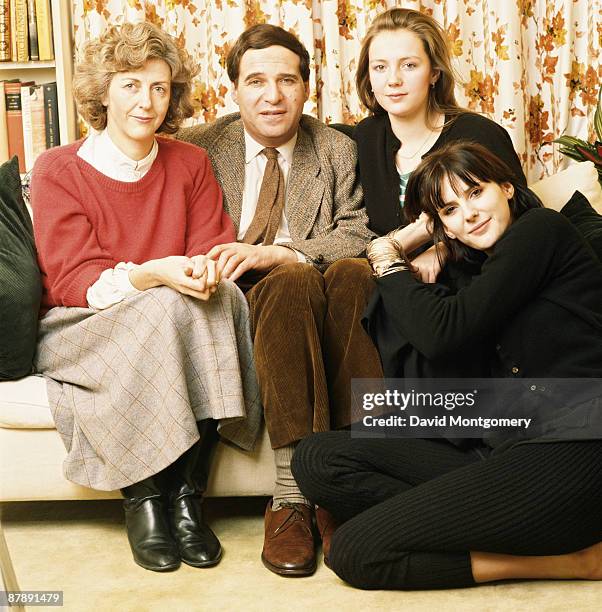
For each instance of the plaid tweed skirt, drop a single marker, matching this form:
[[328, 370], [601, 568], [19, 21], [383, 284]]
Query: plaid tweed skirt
[[126, 385]]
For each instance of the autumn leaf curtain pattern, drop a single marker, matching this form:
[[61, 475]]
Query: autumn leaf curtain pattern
[[532, 65]]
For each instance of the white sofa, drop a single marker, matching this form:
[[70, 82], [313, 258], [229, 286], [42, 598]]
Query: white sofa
[[31, 451]]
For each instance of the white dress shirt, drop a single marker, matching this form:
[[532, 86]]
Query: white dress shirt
[[255, 164], [102, 154]]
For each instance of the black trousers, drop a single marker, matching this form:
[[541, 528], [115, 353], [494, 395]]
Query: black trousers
[[414, 509]]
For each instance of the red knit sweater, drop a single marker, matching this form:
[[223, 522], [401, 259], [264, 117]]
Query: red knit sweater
[[85, 222]]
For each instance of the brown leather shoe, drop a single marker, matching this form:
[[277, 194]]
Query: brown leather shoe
[[288, 547], [327, 525]]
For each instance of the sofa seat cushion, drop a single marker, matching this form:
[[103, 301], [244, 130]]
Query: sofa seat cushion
[[24, 404]]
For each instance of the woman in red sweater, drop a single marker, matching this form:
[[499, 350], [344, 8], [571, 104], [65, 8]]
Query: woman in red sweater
[[145, 351]]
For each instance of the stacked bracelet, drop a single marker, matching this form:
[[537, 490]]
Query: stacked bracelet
[[383, 254], [397, 266]]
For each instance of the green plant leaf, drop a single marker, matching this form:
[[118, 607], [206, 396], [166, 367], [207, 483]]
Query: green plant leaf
[[571, 142], [570, 153]]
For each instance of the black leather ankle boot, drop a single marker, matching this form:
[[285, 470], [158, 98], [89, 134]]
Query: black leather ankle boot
[[198, 545], [148, 532]]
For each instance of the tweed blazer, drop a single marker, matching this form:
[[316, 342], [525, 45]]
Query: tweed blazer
[[324, 204]]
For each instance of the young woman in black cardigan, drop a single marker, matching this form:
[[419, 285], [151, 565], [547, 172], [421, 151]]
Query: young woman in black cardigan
[[423, 514], [406, 80]]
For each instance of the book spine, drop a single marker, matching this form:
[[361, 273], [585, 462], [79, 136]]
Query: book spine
[[22, 37], [14, 122], [51, 115], [44, 24], [26, 121], [33, 30], [5, 53], [38, 129], [3, 127], [13, 30]]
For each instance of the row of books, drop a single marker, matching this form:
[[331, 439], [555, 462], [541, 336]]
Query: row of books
[[29, 121], [25, 30]]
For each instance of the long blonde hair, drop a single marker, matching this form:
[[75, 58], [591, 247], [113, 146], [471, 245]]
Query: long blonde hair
[[442, 99]]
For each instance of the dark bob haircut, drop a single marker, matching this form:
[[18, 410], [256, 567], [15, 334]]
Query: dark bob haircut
[[262, 36], [463, 161]]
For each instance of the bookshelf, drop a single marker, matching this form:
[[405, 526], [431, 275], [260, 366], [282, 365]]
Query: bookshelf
[[59, 70]]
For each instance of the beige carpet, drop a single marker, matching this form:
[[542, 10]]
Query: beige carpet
[[81, 549]]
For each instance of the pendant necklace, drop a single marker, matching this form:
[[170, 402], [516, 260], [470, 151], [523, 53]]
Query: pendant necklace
[[419, 149]]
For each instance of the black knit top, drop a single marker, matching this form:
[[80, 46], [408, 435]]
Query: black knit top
[[537, 299], [377, 146]]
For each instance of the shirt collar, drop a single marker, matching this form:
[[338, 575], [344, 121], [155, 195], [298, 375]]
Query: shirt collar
[[119, 159], [253, 148]]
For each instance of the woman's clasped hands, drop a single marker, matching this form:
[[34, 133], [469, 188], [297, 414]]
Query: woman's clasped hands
[[196, 276]]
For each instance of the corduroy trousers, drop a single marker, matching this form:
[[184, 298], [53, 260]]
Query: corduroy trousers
[[414, 509], [309, 343]]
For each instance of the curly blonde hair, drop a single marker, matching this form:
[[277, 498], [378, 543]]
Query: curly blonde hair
[[126, 48]]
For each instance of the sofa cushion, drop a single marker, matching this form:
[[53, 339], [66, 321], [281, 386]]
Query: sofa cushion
[[556, 190], [24, 404], [20, 284]]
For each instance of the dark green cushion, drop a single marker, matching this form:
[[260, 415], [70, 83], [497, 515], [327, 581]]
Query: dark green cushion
[[20, 283]]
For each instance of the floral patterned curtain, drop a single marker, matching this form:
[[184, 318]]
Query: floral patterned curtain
[[532, 65]]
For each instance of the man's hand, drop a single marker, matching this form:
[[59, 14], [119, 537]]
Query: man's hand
[[235, 258], [428, 264]]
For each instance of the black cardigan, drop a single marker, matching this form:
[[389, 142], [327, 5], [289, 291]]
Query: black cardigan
[[377, 145], [538, 298]]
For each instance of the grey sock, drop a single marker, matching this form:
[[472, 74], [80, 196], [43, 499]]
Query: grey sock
[[286, 489]]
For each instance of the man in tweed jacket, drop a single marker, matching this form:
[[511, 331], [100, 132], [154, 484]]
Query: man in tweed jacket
[[323, 220]]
